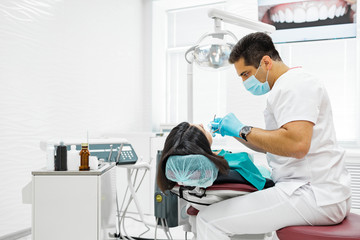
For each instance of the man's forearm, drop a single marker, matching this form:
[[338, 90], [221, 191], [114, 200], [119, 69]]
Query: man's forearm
[[249, 145], [291, 140]]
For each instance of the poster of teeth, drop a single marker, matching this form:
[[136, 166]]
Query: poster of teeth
[[309, 20]]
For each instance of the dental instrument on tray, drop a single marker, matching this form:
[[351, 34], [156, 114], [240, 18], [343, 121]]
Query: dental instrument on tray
[[119, 152], [111, 149]]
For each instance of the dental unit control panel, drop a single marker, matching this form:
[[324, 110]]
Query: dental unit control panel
[[116, 150], [121, 153]]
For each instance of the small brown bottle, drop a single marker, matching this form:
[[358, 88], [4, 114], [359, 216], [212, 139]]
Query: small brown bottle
[[84, 157]]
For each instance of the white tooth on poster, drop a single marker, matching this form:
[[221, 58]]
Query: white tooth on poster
[[331, 13], [289, 16], [309, 12], [272, 18], [342, 11], [281, 16], [277, 19], [299, 15], [338, 11], [323, 12], [312, 14]]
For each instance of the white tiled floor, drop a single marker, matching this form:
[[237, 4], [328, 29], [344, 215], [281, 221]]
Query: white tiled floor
[[25, 238], [135, 228]]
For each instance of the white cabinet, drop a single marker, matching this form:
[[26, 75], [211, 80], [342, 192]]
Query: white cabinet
[[73, 204]]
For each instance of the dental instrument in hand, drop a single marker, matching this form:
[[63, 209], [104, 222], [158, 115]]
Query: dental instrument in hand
[[213, 126]]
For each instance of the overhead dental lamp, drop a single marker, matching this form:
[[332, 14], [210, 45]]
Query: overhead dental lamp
[[213, 49]]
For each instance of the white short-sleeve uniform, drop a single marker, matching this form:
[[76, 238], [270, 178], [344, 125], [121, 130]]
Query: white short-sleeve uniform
[[295, 96], [314, 190]]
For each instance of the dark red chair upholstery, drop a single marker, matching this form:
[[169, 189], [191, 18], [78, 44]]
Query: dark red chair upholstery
[[349, 229]]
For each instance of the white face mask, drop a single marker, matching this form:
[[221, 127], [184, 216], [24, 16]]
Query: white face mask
[[255, 86]]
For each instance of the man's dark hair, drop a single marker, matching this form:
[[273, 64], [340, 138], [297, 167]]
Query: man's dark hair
[[252, 48], [186, 139]]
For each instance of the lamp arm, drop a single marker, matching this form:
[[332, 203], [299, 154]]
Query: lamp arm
[[241, 21], [190, 96], [232, 35], [216, 34]]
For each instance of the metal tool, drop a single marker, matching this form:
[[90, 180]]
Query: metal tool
[[111, 149], [119, 152], [212, 131]]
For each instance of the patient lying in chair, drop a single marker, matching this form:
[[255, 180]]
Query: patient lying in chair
[[189, 167]]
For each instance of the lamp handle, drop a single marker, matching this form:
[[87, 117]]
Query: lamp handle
[[188, 51]]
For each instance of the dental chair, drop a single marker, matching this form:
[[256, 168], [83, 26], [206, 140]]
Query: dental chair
[[233, 184], [201, 184], [199, 195], [225, 186]]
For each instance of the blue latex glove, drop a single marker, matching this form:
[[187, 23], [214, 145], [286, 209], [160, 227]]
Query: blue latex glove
[[228, 125]]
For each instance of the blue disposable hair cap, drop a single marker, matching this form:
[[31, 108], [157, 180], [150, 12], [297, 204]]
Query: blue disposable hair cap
[[191, 170]]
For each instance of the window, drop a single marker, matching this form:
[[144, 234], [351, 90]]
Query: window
[[338, 71], [186, 23]]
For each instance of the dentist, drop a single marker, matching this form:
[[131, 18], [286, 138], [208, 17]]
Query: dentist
[[308, 167]]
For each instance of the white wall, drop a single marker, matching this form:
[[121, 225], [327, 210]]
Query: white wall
[[65, 67]]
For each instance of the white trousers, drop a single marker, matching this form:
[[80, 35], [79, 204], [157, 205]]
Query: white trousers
[[266, 211]]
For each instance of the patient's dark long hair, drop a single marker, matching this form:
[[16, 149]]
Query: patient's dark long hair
[[186, 139]]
